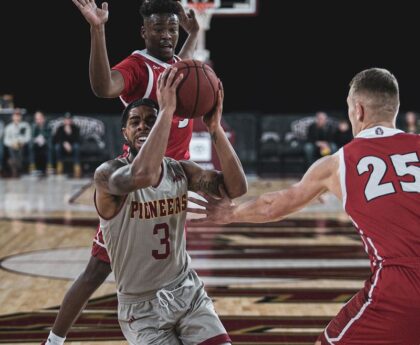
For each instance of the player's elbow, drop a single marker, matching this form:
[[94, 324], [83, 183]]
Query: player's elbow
[[239, 190], [101, 91], [145, 178]]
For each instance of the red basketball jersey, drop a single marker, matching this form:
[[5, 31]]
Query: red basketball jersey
[[380, 180], [140, 72]]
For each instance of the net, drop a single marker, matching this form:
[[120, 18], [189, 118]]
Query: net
[[203, 12]]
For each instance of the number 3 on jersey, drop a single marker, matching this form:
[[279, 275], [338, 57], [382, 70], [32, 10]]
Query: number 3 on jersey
[[402, 165], [162, 231]]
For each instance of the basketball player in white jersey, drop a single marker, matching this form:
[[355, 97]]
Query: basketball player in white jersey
[[132, 78], [141, 201]]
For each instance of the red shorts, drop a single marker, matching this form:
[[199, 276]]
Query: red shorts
[[99, 248], [385, 312]]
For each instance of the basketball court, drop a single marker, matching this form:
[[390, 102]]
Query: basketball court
[[276, 283]]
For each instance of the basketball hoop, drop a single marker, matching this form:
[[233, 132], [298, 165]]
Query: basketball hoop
[[203, 11]]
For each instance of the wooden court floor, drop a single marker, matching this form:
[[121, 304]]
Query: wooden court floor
[[277, 283]]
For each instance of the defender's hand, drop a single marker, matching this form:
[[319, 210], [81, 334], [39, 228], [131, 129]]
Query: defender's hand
[[217, 210], [94, 15], [187, 20]]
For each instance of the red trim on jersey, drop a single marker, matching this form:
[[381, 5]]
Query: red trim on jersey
[[98, 247], [100, 253], [217, 340], [122, 204]]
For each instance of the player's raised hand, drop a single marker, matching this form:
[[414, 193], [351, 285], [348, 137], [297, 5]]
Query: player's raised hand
[[217, 210], [213, 119], [187, 20], [94, 15], [168, 82]]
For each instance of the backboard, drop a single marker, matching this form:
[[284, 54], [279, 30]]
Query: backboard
[[226, 7], [205, 9]]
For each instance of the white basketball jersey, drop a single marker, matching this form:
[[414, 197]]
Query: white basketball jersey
[[145, 240]]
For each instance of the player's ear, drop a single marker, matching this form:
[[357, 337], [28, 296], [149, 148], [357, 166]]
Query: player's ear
[[123, 131], [143, 32], [360, 112]]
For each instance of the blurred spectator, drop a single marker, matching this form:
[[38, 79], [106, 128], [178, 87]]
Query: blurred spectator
[[320, 139], [343, 134], [16, 135], [67, 142], [6, 102], [1, 146], [40, 146], [411, 124]]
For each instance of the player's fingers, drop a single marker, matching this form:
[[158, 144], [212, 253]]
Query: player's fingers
[[171, 76], [163, 76], [159, 81], [196, 210], [78, 4], [178, 80], [221, 86], [198, 201], [199, 220], [105, 6], [219, 101], [191, 13], [210, 197], [83, 2]]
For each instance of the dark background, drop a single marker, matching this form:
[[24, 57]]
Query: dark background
[[294, 57]]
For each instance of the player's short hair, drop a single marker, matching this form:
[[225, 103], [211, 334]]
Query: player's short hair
[[150, 7], [142, 101], [380, 85], [375, 80]]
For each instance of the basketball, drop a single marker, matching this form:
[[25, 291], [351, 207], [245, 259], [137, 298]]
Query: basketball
[[197, 91]]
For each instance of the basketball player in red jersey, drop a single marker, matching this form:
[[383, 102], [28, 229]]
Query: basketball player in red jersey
[[133, 78], [377, 177]]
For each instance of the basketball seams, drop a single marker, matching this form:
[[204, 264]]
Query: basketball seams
[[206, 71], [186, 74], [197, 93]]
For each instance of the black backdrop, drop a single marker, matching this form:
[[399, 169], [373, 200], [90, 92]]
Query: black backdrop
[[294, 57]]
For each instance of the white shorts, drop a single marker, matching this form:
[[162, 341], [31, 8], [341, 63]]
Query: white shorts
[[183, 315]]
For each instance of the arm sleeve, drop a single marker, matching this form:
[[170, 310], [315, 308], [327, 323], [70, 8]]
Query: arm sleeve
[[135, 75]]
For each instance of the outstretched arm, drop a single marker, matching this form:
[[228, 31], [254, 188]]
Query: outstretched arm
[[144, 171], [321, 176], [189, 23], [232, 175], [104, 81]]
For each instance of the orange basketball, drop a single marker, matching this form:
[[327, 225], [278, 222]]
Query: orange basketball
[[197, 91]]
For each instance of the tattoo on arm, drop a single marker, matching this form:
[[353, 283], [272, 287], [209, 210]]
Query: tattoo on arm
[[208, 183], [118, 184], [214, 137], [101, 179]]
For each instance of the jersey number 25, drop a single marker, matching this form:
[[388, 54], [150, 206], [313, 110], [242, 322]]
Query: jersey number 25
[[374, 188]]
